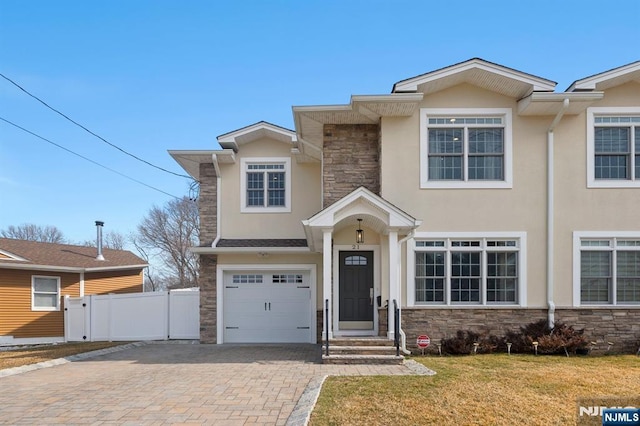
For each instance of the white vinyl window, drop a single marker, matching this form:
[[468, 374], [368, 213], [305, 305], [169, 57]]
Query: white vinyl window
[[45, 293], [613, 147], [607, 270], [468, 271], [265, 185], [465, 148]]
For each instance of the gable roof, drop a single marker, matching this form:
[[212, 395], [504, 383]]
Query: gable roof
[[21, 254], [375, 212], [605, 80], [253, 132], [477, 71]]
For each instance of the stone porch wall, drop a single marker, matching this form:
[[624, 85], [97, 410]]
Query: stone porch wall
[[351, 156], [620, 326]]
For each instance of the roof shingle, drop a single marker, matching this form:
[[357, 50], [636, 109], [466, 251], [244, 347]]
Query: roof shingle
[[64, 255]]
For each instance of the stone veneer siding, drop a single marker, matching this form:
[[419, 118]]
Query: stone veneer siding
[[208, 301], [319, 322], [620, 326], [208, 204], [351, 159], [207, 208]]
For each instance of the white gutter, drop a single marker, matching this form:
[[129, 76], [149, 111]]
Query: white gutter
[[71, 269], [550, 214], [403, 336], [216, 166]]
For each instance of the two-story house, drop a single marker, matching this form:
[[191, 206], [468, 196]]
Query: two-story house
[[475, 197]]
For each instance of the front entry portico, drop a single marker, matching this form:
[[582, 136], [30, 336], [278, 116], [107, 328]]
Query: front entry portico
[[356, 277]]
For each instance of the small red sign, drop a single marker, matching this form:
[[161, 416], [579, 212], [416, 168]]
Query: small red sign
[[423, 341]]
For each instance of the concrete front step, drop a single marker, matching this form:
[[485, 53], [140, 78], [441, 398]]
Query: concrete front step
[[362, 359], [360, 341], [362, 350]]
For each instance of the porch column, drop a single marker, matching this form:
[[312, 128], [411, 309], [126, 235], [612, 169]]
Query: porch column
[[326, 282], [394, 290]]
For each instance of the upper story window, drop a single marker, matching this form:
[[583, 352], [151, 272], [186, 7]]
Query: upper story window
[[613, 147], [465, 148], [606, 269], [265, 185], [45, 293]]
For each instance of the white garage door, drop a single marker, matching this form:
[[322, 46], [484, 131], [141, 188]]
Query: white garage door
[[267, 307]]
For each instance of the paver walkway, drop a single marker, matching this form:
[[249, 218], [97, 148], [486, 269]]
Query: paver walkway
[[173, 384]]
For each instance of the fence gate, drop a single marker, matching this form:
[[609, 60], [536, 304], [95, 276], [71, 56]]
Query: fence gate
[[162, 315], [76, 319]]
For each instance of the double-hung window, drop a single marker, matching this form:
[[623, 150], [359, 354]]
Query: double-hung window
[[45, 293], [465, 148], [606, 269], [473, 271], [266, 185], [613, 147]]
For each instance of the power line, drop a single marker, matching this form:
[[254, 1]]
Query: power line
[[85, 158], [89, 131]]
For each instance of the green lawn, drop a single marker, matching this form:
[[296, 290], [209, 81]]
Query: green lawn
[[484, 390]]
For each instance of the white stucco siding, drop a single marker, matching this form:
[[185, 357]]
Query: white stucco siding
[[521, 208], [305, 195]]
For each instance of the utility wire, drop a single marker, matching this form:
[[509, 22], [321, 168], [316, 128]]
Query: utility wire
[[85, 158], [89, 131]]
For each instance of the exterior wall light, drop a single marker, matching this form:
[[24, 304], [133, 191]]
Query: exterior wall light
[[359, 233]]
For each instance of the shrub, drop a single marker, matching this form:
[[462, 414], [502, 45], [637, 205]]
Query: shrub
[[559, 340], [562, 339], [463, 343]]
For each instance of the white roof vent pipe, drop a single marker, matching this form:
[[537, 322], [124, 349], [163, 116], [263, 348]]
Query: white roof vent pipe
[[99, 226]]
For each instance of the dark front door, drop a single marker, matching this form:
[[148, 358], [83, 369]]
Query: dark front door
[[356, 286]]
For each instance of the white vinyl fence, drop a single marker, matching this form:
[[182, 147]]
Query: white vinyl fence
[[161, 315]]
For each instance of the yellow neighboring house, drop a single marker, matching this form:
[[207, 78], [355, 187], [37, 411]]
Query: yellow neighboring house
[[35, 277]]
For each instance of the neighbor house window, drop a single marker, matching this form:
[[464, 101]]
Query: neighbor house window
[[266, 185], [45, 293], [613, 147], [609, 270], [482, 271], [465, 148]]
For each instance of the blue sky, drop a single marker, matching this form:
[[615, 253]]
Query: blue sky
[[150, 76]]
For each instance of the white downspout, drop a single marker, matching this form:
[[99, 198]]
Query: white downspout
[[403, 337], [214, 159], [81, 284], [550, 214]]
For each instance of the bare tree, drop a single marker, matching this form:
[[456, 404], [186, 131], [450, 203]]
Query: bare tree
[[152, 282], [31, 232], [112, 240], [167, 233]]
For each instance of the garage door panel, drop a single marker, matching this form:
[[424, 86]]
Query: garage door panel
[[266, 311], [259, 335]]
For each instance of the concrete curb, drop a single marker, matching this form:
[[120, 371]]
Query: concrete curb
[[418, 369], [301, 413], [59, 361]]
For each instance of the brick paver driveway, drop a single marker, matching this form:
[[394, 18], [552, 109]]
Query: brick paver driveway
[[172, 383]]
